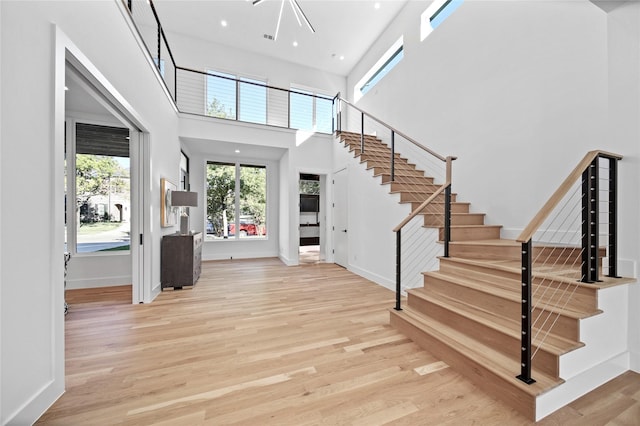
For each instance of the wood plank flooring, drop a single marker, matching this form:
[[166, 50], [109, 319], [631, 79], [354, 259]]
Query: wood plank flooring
[[259, 343]]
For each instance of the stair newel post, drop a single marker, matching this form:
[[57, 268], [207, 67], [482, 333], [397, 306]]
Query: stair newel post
[[398, 260], [447, 207], [525, 356], [447, 219], [362, 132], [613, 218], [337, 117], [590, 223], [393, 155]]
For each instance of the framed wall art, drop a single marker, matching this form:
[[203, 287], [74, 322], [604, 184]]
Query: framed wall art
[[168, 214]]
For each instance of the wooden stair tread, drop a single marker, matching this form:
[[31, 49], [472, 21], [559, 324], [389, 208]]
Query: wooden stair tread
[[506, 266], [553, 344], [499, 363], [495, 286]]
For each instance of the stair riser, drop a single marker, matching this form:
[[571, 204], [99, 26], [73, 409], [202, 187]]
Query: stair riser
[[467, 234], [540, 255], [485, 379], [408, 197], [507, 344], [413, 187], [378, 170], [399, 177], [507, 308], [433, 220], [582, 297], [455, 207]]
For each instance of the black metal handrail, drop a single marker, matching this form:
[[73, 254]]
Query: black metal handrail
[[587, 171]]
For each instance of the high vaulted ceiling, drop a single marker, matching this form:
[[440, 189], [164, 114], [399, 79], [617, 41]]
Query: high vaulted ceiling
[[344, 29]]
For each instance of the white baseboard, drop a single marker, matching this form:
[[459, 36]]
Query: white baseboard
[[37, 405], [99, 282], [247, 255], [371, 276], [289, 262], [581, 384], [634, 362], [155, 291]]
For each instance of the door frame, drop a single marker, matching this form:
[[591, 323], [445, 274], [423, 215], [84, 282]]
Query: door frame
[[71, 59], [340, 191]]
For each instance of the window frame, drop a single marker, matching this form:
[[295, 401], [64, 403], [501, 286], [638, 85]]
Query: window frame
[[238, 164], [238, 81], [380, 69], [71, 209], [314, 94]]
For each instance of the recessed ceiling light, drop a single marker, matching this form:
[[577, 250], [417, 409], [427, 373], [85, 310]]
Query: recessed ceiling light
[[237, 151], [295, 44], [376, 5], [223, 23], [342, 57]]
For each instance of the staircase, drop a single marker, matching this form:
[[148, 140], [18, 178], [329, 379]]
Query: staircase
[[468, 312]]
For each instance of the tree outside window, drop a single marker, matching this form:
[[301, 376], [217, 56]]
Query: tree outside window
[[236, 201]]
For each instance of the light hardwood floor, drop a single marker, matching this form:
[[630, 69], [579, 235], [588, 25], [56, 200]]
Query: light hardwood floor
[[259, 343]]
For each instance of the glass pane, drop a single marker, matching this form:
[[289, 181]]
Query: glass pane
[[253, 102], [253, 202], [301, 113], [221, 199], [221, 96], [324, 115], [103, 190], [310, 187]]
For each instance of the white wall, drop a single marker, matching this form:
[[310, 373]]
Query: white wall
[[624, 131], [203, 55], [32, 269], [520, 91], [501, 91]]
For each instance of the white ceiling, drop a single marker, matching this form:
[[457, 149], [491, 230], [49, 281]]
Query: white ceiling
[[343, 28]]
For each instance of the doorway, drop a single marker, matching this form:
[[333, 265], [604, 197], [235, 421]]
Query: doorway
[[310, 213], [103, 204], [340, 228]]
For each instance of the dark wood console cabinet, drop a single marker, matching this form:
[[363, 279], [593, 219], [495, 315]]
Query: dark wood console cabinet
[[181, 260]]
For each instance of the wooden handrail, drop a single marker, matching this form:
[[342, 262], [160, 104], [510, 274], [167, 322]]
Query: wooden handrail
[[562, 190], [397, 132], [430, 199]]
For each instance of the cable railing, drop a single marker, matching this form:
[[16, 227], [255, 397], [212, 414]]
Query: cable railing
[[209, 93], [569, 240], [424, 179]]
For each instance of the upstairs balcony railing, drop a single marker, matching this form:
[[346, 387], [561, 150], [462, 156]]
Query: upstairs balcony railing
[[214, 94]]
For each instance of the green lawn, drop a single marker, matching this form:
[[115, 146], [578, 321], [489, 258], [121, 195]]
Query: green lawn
[[97, 227]]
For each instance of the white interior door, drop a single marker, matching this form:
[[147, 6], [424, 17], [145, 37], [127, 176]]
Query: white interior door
[[340, 229]]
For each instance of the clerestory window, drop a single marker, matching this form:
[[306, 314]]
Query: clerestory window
[[382, 67]]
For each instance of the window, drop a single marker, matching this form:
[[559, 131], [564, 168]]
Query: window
[[310, 111], [381, 68], [221, 95], [253, 101], [243, 99], [236, 201], [435, 14], [102, 188], [184, 172], [160, 67]]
